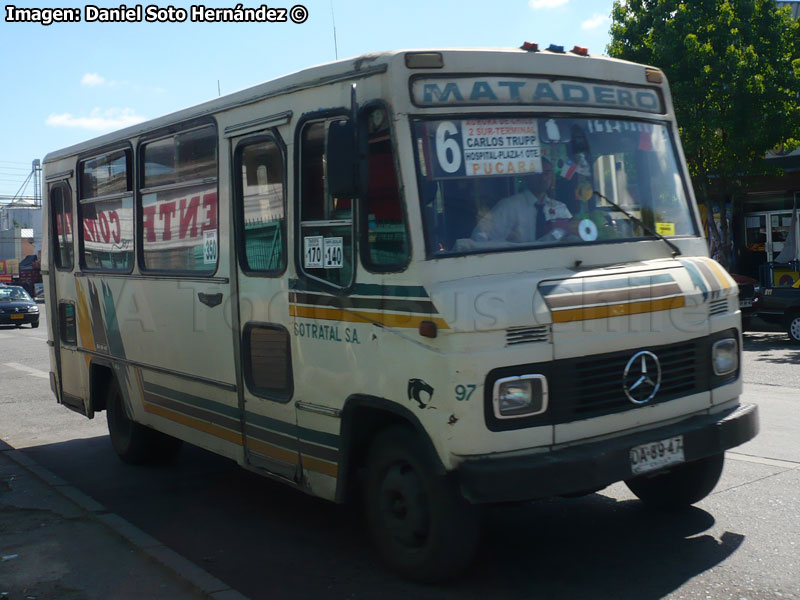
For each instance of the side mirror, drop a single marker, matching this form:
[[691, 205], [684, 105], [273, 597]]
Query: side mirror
[[341, 159]]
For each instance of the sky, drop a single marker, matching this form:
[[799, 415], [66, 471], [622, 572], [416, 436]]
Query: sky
[[68, 82]]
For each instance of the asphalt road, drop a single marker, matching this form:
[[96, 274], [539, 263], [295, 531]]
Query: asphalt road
[[268, 541]]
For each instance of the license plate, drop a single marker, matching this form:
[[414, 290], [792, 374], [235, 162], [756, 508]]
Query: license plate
[[745, 303], [17, 316], [656, 455]]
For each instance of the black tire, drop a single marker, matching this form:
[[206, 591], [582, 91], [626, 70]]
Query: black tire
[[134, 443], [793, 327], [423, 529], [680, 486], [34, 325]]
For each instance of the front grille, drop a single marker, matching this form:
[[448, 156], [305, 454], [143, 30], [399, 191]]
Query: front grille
[[527, 335], [592, 386], [597, 387]]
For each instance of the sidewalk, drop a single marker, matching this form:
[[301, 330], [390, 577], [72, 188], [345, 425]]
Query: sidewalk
[[57, 543]]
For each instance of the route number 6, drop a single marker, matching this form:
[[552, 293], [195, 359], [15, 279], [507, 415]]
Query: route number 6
[[447, 151]]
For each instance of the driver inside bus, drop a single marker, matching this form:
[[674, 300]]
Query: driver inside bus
[[526, 216]]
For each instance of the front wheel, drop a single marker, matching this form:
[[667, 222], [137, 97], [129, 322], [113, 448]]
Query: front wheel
[[34, 325], [423, 529], [679, 486], [793, 327], [135, 443]]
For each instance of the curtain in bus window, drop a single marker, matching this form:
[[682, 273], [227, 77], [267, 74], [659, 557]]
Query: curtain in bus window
[[262, 204], [108, 234]]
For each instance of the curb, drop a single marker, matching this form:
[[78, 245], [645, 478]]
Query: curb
[[147, 544]]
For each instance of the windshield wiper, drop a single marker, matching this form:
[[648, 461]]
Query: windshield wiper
[[675, 250]]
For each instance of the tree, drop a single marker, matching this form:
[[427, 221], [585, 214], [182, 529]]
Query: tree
[[734, 71]]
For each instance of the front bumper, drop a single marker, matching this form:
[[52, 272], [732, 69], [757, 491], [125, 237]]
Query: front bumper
[[595, 465], [26, 318]]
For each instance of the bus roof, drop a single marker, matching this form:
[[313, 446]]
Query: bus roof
[[345, 69]]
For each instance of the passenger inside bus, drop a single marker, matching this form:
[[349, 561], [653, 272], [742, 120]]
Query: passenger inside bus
[[526, 216]]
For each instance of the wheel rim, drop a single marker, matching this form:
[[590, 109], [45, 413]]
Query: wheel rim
[[404, 506], [794, 329]]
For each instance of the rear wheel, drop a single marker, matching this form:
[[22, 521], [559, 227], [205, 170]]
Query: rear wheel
[[135, 443], [423, 529], [680, 486]]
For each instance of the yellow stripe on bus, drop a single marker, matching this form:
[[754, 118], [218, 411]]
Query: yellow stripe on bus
[[258, 446], [84, 320], [387, 319], [210, 428], [287, 456], [617, 310], [320, 466]]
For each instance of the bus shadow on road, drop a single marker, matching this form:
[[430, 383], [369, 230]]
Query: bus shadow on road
[[248, 530], [597, 547]]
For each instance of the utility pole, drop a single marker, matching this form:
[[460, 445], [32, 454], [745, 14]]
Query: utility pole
[[37, 182]]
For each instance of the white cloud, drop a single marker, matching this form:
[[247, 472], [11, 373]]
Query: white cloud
[[97, 80], [596, 21], [537, 4], [93, 79], [98, 120]]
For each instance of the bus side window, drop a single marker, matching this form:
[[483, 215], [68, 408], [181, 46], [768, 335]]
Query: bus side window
[[178, 202], [326, 243], [386, 231], [61, 213], [261, 200], [105, 211]]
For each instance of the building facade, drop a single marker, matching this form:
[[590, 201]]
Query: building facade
[[762, 222], [20, 237]]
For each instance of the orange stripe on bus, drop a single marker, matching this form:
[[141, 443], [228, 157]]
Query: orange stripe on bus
[[617, 310], [388, 319], [215, 430], [320, 466], [265, 449]]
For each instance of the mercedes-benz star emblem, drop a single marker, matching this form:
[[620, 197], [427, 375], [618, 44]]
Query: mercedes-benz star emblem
[[642, 377]]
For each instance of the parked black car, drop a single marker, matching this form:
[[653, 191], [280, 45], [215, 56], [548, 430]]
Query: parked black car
[[769, 308], [17, 307]]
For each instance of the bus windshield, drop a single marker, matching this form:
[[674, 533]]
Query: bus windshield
[[493, 183]]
